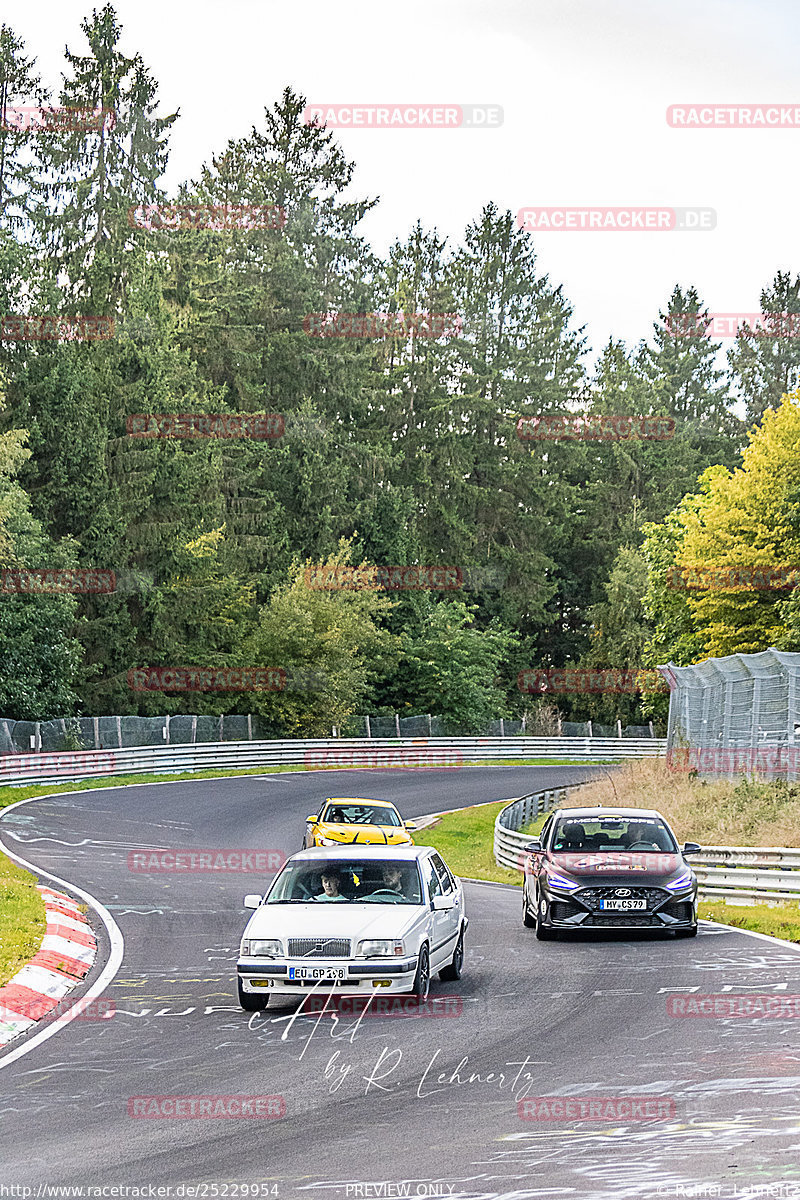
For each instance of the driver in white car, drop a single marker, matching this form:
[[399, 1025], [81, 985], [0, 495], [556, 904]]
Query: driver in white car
[[393, 880]]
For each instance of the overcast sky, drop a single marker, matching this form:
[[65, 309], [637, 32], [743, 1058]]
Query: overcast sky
[[584, 86]]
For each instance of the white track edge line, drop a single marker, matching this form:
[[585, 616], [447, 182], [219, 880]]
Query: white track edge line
[[109, 970]]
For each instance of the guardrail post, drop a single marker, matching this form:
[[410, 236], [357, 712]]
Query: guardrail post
[[369, 727], [119, 732], [166, 729], [96, 729], [194, 730], [397, 723], [249, 727], [37, 733]]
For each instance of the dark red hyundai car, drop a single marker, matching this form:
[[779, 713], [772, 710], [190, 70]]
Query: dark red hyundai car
[[608, 868]]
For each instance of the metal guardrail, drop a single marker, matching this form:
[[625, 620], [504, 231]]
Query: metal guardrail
[[746, 874], [315, 753]]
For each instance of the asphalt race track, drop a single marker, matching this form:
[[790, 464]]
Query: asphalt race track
[[404, 1105]]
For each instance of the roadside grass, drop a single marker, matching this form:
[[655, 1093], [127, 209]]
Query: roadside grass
[[9, 794], [22, 918], [724, 812], [465, 840], [782, 921]]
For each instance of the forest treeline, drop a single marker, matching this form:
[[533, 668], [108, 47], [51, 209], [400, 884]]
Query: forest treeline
[[395, 450]]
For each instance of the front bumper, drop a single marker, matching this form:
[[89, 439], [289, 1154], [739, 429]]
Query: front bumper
[[259, 976], [571, 910]]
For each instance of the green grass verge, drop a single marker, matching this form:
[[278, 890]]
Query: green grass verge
[[9, 795], [22, 918], [465, 841], [782, 921]]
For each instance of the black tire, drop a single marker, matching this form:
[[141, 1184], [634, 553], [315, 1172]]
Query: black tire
[[686, 932], [422, 979], [248, 1001], [453, 969], [527, 920], [543, 932]]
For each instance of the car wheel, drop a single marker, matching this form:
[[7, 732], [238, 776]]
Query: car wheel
[[527, 920], [422, 979], [248, 1001], [686, 932], [543, 932], [453, 969]]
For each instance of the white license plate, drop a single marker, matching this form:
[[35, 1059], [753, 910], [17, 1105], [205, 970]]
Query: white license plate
[[317, 973], [623, 905]]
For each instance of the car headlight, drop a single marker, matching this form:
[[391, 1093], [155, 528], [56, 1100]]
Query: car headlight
[[682, 881], [380, 948], [261, 947], [323, 841], [560, 881]]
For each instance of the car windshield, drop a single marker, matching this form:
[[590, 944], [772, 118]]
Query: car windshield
[[351, 880], [612, 833], [361, 814]]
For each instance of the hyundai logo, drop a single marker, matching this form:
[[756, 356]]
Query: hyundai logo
[[622, 891]]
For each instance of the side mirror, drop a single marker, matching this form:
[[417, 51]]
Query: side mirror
[[253, 901], [410, 824], [691, 848], [533, 847], [312, 820], [441, 903]]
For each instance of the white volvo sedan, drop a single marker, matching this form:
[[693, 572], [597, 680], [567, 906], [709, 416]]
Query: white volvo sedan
[[351, 921]]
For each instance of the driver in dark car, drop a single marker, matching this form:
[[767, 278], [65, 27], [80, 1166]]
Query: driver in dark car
[[641, 837]]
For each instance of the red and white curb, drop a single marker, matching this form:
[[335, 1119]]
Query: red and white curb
[[67, 952]]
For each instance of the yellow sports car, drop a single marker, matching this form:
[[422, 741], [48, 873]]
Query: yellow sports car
[[343, 820]]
